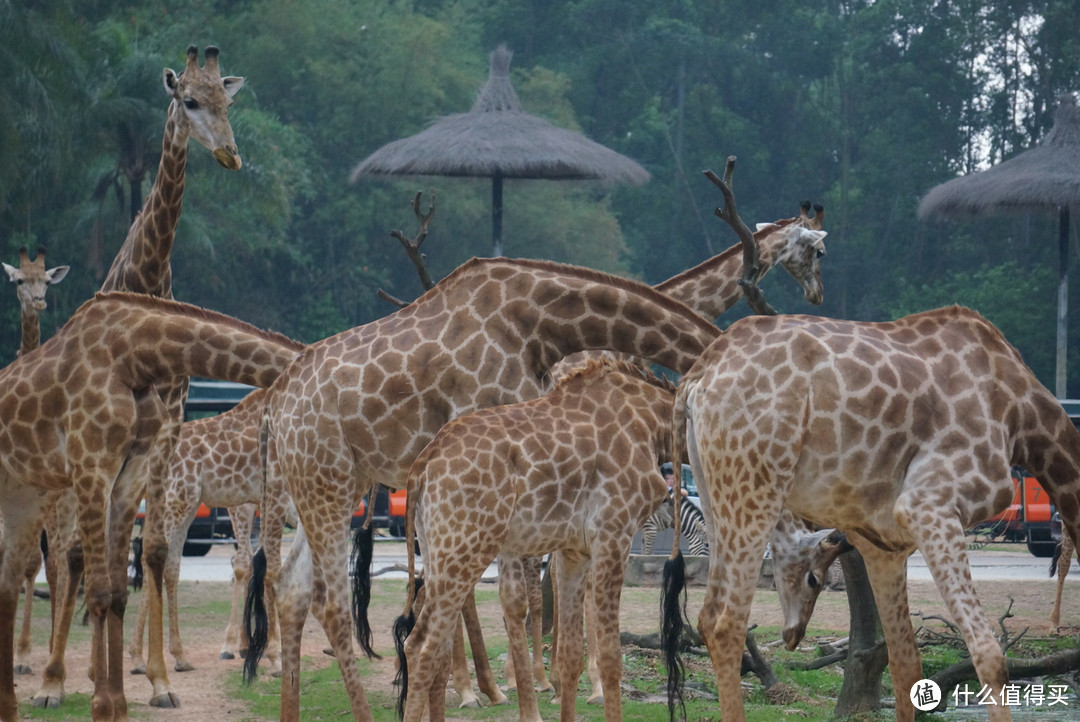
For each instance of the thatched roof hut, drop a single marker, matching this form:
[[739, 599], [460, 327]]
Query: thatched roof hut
[[498, 139]]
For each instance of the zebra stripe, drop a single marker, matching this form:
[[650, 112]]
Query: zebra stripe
[[693, 527]]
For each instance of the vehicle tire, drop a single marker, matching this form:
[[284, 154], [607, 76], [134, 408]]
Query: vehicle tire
[[194, 549], [1043, 549]]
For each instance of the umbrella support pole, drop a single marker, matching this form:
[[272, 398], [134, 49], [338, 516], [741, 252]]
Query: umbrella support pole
[[1061, 369]]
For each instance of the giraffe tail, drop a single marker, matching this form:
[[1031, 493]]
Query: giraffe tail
[[1055, 559], [673, 585], [256, 626], [363, 543], [137, 566], [403, 627]]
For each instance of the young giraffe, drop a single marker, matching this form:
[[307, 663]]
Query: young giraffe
[[75, 413], [198, 109], [1061, 563], [358, 407], [900, 433], [573, 471], [31, 281], [216, 463]]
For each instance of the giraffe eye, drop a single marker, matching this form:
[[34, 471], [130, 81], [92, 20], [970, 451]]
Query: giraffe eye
[[191, 103], [812, 580], [18, 282]]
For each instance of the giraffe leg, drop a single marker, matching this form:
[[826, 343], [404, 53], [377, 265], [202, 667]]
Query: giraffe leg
[[553, 573], [21, 535], [887, 572], [573, 569], [69, 573], [940, 538], [292, 602], [172, 580], [592, 667], [534, 569], [333, 609], [122, 508], [459, 670], [485, 678], [514, 599], [22, 649], [135, 647], [602, 620], [242, 518], [1065, 556]]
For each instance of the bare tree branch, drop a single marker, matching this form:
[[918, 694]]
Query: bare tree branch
[[729, 213], [412, 247]]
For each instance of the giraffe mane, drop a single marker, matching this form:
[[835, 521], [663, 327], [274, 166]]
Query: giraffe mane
[[599, 366], [163, 304], [706, 267], [470, 267]]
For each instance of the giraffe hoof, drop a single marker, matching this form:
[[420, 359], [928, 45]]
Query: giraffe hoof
[[598, 699], [471, 703], [184, 667], [47, 701], [23, 669], [227, 655], [165, 701], [140, 669], [546, 687]]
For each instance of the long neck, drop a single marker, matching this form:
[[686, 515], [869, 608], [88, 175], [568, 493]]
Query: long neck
[[142, 265], [149, 340], [31, 331], [712, 287], [571, 310]]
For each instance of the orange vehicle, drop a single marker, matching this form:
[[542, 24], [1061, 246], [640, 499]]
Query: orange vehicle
[[1027, 518]]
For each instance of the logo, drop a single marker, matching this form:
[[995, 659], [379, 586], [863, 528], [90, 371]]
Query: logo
[[925, 695]]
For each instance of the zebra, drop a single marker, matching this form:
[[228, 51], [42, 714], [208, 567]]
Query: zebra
[[693, 527]]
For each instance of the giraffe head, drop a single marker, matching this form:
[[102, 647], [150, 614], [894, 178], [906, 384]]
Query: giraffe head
[[32, 279], [201, 100], [798, 247], [802, 559]]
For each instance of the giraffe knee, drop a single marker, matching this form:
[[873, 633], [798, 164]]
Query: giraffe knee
[[156, 556]]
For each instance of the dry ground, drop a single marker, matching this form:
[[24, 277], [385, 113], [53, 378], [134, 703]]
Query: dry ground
[[204, 692]]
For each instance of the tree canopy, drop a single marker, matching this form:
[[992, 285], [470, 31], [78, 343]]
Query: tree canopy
[[861, 105]]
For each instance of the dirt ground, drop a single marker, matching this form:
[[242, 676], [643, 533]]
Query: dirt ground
[[204, 692]]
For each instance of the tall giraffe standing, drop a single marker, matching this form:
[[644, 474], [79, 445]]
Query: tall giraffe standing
[[75, 413], [572, 471], [900, 433], [358, 407], [200, 99], [32, 280]]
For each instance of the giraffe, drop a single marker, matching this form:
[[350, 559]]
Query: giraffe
[[900, 433], [215, 463], [1061, 563], [78, 410], [32, 280], [356, 408], [199, 101]]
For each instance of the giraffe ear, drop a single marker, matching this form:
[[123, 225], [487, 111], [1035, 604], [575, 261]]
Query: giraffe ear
[[11, 271], [171, 81], [56, 275], [232, 84]]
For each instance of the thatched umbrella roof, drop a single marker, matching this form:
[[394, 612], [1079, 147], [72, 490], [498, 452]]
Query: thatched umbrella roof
[[1046, 177], [497, 139]]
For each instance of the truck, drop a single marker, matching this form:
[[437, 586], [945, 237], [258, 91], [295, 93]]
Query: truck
[[1027, 518]]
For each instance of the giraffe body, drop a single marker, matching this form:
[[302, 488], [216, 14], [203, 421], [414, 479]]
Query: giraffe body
[[572, 472], [358, 408], [199, 101], [32, 280], [900, 433], [75, 412]]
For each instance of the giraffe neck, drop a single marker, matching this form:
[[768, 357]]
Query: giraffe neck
[[31, 331], [712, 287], [556, 310], [149, 340], [142, 265]]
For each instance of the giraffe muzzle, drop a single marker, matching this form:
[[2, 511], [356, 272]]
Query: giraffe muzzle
[[228, 158]]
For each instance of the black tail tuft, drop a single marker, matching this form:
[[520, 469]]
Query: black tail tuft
[[1054, 560], [363, 544], [256, 626], [403, 627], [673, 611], [136, 563]]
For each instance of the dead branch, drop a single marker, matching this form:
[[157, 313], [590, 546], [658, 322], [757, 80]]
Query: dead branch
[[412, 247], [757, 663], [1055, 663], [729, 213]]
